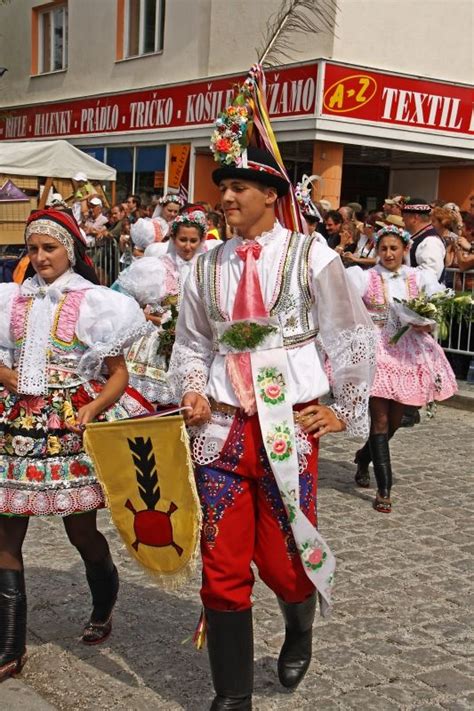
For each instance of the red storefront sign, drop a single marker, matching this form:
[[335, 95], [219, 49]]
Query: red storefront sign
[[363, 95], [290, 92]]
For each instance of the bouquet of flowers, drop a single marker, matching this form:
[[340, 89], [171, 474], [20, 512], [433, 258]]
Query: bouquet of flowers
[[231, 133], [436, 310], [168, 332]]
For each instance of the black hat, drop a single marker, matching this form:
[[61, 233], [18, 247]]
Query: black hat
[[416, 205], [261, 168]]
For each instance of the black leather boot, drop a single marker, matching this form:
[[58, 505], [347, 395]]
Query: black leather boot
[[295, 654], [230, 645], [104, 586], [12, 622], [363, 459], [382, 470]]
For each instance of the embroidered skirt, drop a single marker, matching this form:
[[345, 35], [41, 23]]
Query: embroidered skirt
[[44, 469]]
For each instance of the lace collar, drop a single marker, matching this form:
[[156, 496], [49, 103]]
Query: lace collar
[[69, 281], [387, 274], [266, 237]]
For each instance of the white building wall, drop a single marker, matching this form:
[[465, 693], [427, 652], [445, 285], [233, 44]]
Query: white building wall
[[432, 38], [211, 37]]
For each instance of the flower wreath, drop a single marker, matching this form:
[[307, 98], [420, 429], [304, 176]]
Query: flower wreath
[[171, 197], [392, 230], [190, 219]]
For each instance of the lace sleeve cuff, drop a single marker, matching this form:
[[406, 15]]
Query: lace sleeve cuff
[[91, 362], [6, 358], [189, 369], [352, 407], [351, 353]]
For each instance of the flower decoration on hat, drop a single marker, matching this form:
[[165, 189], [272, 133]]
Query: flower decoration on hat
[[195, 218], [303, 196], [392, 230], [171, 197], [232, 130]]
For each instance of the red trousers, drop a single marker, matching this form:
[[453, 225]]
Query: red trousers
[[244, 521]]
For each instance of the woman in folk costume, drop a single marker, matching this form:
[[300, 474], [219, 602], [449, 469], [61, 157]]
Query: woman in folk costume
[[61, 366], [413, 371], [156, 283], [165, 212], [245, 362]]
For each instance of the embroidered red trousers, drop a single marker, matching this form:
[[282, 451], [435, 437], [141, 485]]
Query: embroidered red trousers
[[244, 521]]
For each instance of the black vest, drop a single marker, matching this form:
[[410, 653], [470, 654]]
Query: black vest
[[417, 239]]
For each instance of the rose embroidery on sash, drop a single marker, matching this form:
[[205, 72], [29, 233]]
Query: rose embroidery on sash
[[272, 386], [313, 556], [280, 442]]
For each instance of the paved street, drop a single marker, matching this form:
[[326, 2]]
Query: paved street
[[398, 637]]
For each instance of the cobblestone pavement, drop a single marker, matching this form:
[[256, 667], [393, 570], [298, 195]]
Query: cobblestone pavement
[[398, 637]]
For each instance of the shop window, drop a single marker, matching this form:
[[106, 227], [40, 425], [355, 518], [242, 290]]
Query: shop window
[[50, 38], [140, 27], [150, 171], [122, 160], [97, 152]]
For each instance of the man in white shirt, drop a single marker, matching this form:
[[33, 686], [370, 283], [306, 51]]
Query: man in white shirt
[[427, 250], [247, 366]]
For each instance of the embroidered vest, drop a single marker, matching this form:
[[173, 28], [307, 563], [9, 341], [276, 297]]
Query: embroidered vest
[[293, 298], [65, 349], [376, 297]]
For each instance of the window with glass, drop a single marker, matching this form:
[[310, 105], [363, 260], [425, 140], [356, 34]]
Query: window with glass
[[52, 27], [143, 27]]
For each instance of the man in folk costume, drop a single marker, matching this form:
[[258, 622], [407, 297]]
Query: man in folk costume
[[247, 366], [427, 250]]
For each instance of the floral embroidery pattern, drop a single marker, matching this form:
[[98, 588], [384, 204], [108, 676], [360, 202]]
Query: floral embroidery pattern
[[280, 441], [312, 555], [217, 491], [271, 386]]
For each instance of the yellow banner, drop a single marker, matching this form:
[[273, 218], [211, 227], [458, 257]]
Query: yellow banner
[[145, 469], [178, 155]]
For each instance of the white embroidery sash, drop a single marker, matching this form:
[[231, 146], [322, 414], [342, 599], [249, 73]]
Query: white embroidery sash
[[275, 413]]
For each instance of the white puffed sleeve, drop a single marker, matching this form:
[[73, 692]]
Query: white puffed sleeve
[[430, 255], [108, 323], [7, 294], [359, 279], [426, 279], [145, 281], [349, 340], [193, 347]]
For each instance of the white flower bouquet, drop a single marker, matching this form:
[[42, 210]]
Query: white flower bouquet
[[435, 310]]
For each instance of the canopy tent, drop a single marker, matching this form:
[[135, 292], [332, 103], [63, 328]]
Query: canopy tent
[[57, 159]]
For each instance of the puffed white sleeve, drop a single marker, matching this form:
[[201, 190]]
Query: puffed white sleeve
[[109, 322], [430, 255], [7, 294], [426, 280], [359, 279], [349, 340], [144, 281], [193, 350]]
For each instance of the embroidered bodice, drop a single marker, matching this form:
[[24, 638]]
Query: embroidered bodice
[[58, 335]]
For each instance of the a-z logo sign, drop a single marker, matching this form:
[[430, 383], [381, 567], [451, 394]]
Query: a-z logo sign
[[350, 94], [397, 100]]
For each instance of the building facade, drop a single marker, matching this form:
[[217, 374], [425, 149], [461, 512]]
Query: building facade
[[380, 101]]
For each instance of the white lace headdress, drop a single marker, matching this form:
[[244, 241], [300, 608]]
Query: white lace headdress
[[52, 229]]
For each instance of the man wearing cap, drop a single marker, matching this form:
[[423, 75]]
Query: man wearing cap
[[427, 250], [393, 206], [246, 364]]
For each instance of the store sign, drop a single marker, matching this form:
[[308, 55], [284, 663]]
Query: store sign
[[387, 98], [290, 92]]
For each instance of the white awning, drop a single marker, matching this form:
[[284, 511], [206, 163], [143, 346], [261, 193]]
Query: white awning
[[51, 159]]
